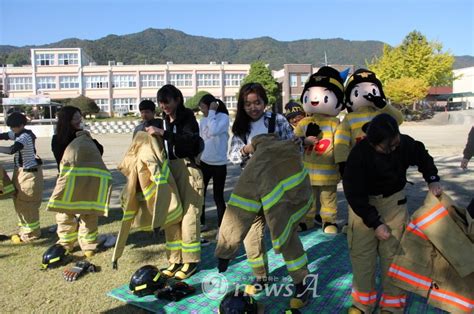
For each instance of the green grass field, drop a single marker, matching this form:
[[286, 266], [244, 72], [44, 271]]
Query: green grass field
[[28, 289]]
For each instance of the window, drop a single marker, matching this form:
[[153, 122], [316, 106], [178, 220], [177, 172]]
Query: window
[[124, 105], [67, 82], [68, 59], [124, 81], [150, 98], [293, 80], [101, 81], [181, 79], [152, 80], [233, 79], [304, 78], [103, 104], [20, 83], [1, 84], [44, 59], [231, 102], [208, 80], [46, 82]]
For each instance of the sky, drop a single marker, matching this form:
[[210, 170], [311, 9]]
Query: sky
[[37, 22]]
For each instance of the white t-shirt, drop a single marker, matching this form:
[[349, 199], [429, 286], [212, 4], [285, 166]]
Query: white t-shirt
[[257, 127]]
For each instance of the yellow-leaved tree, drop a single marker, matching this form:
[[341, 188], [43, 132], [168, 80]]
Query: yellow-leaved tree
[[408, 70]]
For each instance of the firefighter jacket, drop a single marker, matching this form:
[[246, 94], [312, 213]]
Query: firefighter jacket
[[7, 188], [150, 196], [84, 183], [274, 180], [349, 132], [319, 160], [436, 256]]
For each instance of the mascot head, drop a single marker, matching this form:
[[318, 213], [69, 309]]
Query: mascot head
[[360, 84], [323, 93]]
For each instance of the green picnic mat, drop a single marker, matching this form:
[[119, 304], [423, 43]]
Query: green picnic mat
[[328, 258]]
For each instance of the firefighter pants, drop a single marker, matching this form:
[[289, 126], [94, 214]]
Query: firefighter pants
[[364, 249], [325, 201], [183, 239], [238, 226], [82, 228], [27, 201]]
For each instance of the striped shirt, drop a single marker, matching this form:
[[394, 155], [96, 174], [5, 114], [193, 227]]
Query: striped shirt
[[26, 156]]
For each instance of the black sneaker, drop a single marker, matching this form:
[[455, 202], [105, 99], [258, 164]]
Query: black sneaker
[[205, 242], [172, 270], [186, 271]]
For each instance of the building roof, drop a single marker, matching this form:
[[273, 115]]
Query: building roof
[[440, 90]]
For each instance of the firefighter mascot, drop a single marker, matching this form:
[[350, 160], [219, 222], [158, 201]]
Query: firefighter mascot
[[322, 100], [364, 99]]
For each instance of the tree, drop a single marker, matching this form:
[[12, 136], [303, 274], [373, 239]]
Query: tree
[[87, 105], [416, 58], [260, 73], [193, 102], [406, 90]]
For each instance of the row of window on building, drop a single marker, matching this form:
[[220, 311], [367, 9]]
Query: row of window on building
[[63, 59], [125, 105], [122, 81]]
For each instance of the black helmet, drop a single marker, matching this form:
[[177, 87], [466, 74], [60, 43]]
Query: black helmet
[[55, 256], [146, 280], [237, 302]]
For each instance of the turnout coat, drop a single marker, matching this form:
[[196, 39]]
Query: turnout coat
[[436, 255]]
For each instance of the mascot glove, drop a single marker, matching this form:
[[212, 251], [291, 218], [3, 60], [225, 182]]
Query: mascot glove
[[378, 101], [313, 129]]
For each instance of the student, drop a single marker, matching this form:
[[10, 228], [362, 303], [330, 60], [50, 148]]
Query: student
[[147, 113], [294, 112], [251, 120], [71, 225], [468, 150], [214, 130], [27, 177], [69, 122], [183, 144], [374, 181]]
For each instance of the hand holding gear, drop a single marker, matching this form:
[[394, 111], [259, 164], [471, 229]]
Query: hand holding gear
[[222, 265], [313, 130], [378, 101], [82, 267]]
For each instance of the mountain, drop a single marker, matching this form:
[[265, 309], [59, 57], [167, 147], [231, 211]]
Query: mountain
[[157, 46]]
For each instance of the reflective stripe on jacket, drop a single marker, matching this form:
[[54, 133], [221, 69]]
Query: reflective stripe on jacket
[[436, 256], [275, 180], [84, 184], [7, 188], [150, 196]]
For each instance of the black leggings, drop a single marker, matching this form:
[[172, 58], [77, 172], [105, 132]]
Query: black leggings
[[218, 175]]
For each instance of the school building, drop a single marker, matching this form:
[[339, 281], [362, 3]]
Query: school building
[[61, 73]]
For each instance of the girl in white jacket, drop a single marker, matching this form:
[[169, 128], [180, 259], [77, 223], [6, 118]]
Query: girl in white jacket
[[214, 129]]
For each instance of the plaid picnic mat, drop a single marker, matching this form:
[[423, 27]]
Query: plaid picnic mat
[[329, 261]]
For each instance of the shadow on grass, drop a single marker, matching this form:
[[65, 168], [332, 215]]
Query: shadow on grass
[[125, 309]]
